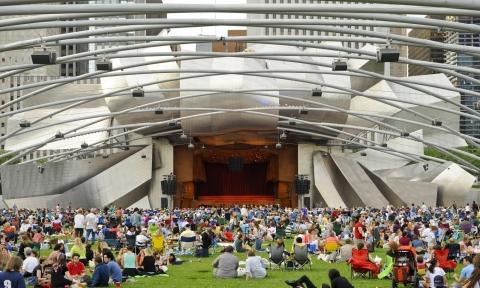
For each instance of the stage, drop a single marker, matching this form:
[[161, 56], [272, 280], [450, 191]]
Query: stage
[[231, 200]]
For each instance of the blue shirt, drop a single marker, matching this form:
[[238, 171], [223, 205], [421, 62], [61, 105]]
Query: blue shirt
[[466, 272], [11, 280], [100, 276], [115, 271]]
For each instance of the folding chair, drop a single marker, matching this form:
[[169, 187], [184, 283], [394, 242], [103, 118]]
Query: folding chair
[[453, 251], [300, 257], [130, 241], [187, 244], [359, 264], [276, 255]]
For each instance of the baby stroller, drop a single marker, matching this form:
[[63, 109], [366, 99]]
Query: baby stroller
[[404, 268]]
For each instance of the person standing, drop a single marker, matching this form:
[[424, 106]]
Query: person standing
[[79, 223], [358, 231], [91, 225]]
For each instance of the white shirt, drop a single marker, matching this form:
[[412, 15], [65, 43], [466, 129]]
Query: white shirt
[[255, 266], [79, 221], [437, 271], [29, 264], [91, 221]]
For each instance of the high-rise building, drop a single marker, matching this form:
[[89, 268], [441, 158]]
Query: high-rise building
[[394, 70], [468, 126], [426, 53]]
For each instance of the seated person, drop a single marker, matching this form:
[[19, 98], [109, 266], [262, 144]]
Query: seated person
[[360, 260], [336, 281], [146, 264], [113, 268], [254, 266], [11, 277], [129, 262], [441, 254], [421, 266], [76, 269], [226, 265], [228, 235], [59, 273], [101, 275], [239, 244], [346, 251], [466, 272]]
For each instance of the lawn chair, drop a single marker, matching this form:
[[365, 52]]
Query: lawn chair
[[360, 264], [111, 240], [187, 244], [300, 257], [280, 233], [453, 251], [130, 241], [276, 255]]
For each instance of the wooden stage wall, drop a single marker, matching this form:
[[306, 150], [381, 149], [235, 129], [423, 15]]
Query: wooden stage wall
[[189, 168]]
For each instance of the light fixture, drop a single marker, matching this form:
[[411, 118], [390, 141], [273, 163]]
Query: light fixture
[[41, 169], [292, 122], [84, 145], [24, 124], [404, 134], [436, 123], [158, 111], [278, 145], [317, 92], [172, 123], [203, 146], [283, 136], [105, 156], [138, 92], [59, 135], [303, 111], [363, 153], [339, 65], [388, 55], [44, 57], [183, 136], [103, 65], [144, 156], [190, 146], [384, 145]]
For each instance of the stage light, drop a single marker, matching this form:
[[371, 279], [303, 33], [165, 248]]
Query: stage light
[[283, 136], [84, 145], [144, 156], [158, 112], [191, 146], [436, 123], [59, 135], [278, 146], [203, 146], [138, 92], [24, 124], [41, 169], [384, 145], [183, 136], [44, 57], [292, 122], [103, 65], [173, 123], [388, 55], [339, 65], [105, 156], [404, 134], [425, 167], [317, 92], [363, 153], [303, 112]]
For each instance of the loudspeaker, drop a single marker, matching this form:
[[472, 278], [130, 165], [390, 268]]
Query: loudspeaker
[[169, 186], [235, 164], [44, 57], [302, 186], [163, 203], [306, 202], [387, 55]]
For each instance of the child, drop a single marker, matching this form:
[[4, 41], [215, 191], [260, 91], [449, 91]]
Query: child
[[421, 266]]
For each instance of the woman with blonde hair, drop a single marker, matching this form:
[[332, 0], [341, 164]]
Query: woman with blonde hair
[[146, 262], [80, 249], [11, 277], [4, 256]]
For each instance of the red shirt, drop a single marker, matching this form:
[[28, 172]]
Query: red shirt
[[75, 269], [356, 230]]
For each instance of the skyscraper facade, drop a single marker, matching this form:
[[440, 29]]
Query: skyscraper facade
[[467, 126]]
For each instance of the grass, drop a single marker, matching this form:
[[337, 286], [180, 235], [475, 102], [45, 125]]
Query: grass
[[197, 272]]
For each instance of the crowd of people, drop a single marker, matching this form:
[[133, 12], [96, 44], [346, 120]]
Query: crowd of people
[[96, 247]]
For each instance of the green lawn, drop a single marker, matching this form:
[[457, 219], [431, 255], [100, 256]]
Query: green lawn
[[197, 272]]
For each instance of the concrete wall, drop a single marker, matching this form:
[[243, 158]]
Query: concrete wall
[[165, 150]]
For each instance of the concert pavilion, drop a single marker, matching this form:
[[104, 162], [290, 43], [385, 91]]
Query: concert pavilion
[[299, 111]]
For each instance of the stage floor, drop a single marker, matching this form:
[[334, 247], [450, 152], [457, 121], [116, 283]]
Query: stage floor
[[229, 200]]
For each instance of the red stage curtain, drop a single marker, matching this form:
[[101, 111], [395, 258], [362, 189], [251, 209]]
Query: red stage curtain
[[221, 181]]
